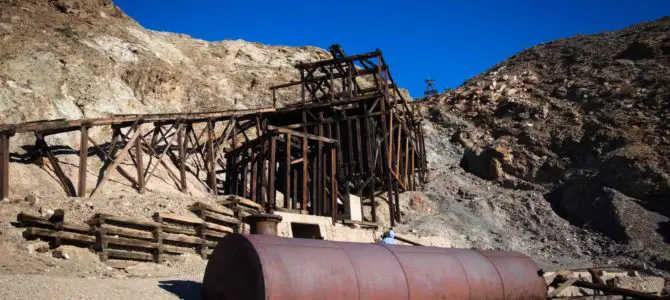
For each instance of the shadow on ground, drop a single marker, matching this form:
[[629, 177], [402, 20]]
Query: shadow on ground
[[184, 289]]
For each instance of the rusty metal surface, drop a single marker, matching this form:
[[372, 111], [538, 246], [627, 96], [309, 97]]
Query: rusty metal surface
[[281, 268], [263, 223]]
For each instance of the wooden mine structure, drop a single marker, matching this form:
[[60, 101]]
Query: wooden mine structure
[[351, 132]]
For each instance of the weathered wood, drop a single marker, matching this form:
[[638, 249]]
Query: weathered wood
[[287, 172], [177, 218], [333, 185], [217, 209], [119, 158], [32, 220], [218, 217], [32, 232], [218, 227], [121, 254], [83, 156], [127, 232], [139, 165], [305, 175], [211, 159], [272, 168], [131, 242], [4, 166], [98, 218], [181, 144]]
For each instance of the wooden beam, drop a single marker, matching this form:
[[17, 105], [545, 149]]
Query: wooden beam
[[211, 161], [83, 156], [119, 158], [272, 166], [139, 164], [4, 166], [287, 182]]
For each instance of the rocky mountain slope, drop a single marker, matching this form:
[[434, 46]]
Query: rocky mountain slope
[[73, 59], [584, 122], [576, 126]]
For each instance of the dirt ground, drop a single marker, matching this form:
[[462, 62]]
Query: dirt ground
[[50, 287]]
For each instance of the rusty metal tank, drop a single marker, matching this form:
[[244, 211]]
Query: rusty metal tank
[[261, 267]]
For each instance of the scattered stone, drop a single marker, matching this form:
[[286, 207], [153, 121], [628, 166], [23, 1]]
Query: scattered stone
[[46, 213], [648, 284], [62, 254], [31, 199]]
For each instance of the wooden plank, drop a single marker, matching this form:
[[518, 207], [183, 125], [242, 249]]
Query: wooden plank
[[179, 230], [304, 135], [4, 166], [218, 227], [178, 219], [139, 165], [611, 290], [246, 202], [217, 209], [63, 235], [272, 169], [287, 172], [181, 238], [33, 220], [218, 217], [211, 159], [363, 224], [305, 177], [181, 144], [114, 253], [178, 250], [126, 220], [131, 242], [127, 232], [562, 287], [83, 156]]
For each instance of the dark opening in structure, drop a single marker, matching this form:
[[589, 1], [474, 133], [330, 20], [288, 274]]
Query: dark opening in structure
[[306, 231]]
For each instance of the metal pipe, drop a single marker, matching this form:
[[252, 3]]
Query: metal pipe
[[268, 267], [265, 224]]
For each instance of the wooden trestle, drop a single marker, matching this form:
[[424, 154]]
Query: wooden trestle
[[350, 132]]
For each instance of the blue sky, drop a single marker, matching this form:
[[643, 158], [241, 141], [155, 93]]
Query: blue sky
[[449, 40]]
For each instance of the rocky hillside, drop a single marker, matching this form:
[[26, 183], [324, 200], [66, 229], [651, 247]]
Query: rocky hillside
[[583, 120], [73, 59]]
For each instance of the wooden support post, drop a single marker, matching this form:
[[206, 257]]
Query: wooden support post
[[360, 147], [4, 166], [262, 171], [370, 150], [272, 166], [294, 203], [181, 141], [385, 131], [287, 162], [412, 171], [406, 162], [119, 158], [255, 157], [399, 142], [333, 184], [83, 155], [211, 158], [305, 174], [139, 164]]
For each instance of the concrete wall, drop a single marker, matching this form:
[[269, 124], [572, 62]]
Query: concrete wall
[[337, 232]]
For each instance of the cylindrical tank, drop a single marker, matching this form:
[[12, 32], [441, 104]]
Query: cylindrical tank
[[260, 267]]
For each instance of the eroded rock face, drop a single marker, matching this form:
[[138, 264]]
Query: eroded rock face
[[75, 59], [584, 119]]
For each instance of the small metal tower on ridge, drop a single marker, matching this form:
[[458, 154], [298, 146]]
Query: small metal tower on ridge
[[430, 88]]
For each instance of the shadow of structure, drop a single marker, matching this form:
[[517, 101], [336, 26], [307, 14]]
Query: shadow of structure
[[184, 289]]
